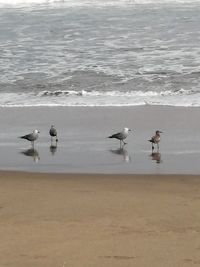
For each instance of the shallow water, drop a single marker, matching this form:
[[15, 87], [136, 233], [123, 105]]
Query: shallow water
[[83, 146]]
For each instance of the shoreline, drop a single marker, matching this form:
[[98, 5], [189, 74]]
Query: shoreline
[[98, 175], [101, 107]]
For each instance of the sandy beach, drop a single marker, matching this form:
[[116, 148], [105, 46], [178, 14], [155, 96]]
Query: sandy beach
[[99, 220]]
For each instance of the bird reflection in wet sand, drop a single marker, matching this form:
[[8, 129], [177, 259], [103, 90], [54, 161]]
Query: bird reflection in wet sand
[[156, 156], [53, 149], [32, 153], [123, 152]]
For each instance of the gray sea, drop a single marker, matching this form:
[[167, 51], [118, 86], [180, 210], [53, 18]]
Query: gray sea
[[99, 53]]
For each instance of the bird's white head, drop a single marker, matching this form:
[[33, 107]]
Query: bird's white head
[[126, 130], [36, 131]]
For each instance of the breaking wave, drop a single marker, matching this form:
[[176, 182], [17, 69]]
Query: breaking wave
[[98, 98]]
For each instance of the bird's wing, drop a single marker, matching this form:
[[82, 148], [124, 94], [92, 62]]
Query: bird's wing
[[117, 136], [27, 136], [152, 140], [30, 137]]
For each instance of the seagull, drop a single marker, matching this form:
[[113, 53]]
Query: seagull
[[121, 135], [31, 137], [155, 139], [53, 133]]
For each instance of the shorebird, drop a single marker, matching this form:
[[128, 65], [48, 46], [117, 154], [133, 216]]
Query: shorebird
[[155, 139], [53, 133], [31, 137], [121, 135]]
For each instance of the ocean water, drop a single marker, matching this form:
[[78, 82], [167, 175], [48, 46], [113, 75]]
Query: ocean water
[[99, 53]]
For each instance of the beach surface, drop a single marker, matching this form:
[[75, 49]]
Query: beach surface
[[83, 146], [76, 220], [118, 207]]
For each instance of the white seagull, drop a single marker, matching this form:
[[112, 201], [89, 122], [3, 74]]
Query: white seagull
[[121, 135], [31, 137]]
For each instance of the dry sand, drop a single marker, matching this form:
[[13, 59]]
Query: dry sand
[[57, 220]]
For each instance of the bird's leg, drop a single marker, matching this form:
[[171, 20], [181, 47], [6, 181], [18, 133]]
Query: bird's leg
[[32, 143], [157, 146], [56, 142], [152, 147], [124, 142]]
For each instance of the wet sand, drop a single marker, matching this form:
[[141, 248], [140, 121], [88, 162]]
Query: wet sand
[[83, 145], [99, 220]]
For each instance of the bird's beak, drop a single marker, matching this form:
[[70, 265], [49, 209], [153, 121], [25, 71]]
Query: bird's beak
[[129, 130], [160, 132]]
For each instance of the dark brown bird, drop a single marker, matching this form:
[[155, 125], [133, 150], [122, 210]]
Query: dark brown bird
[[53, 133], [155, 139]]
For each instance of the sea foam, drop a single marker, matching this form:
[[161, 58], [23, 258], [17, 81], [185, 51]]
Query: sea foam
[[95, 3], [98, 98]]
